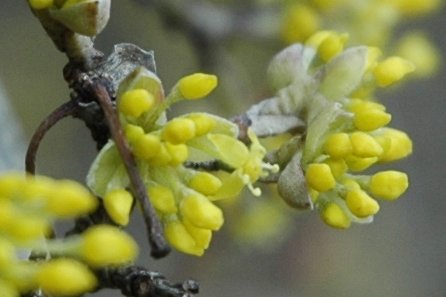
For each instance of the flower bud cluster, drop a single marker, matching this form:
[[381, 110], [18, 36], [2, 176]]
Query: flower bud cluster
[[346, 128], [182, 196], [371, 22], [29, 206]]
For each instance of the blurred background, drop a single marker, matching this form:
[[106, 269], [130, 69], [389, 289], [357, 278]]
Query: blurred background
[[402, 254]]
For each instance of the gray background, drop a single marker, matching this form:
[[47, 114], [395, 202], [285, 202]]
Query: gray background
[[401, 254]]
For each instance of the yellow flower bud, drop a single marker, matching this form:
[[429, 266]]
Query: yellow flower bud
[[396, 145], [334, 216], [361, 204], [357, 164], [415, 7], [118, 204], [179, 130], [37, 188], [133, 132], [417, 48], [201, 213], [65, 277], [320, 177], [299, 22], [70, 199], [331, 46], [178, 236], [338, 145], [163, 157], [317, 38], [205, 183], [373, 53], [104, 245], [338, 167], [162, 199], [40, 4], [203, 123], [12, 184], [371, 119], [392, 70], [177, 152], [364, 145], [361, 105], [351, 185], [25, 228], [201, 236], [197, 85], [135, 102], [388, 185], [147, 146]]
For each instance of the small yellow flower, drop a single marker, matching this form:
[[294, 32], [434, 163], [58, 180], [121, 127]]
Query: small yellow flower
[[320, 177], [361, 105], [331, 46], [12, 184], [415, 7], [373, 53], [364, 145], [179, 130], [201, 212], [372, 119], [205, 183], [133, 132], [135, 102], [392, 70], [201, 236], [147, 146], [396, 144], [178, 236], [338, 167], [178, 153], [299, 22], [118, 204], [203, 123], [361, 204], [197, 85], [418, 49], [163, 199], [357, 164], [70, 199], [338, 145], [163, 157], [389, 184], [104, 245], [334, 216], [26, 228], [65, 277]]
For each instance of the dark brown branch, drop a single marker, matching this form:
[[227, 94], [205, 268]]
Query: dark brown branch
[[59, 113], [158, 244], [139, 282]]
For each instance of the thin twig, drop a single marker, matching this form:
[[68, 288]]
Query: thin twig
[[66, 109], [158, 244]]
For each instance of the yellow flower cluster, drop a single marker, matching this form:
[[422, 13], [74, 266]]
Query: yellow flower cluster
[[356, 139], [183, 197], [28, 208], [370, 22]]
